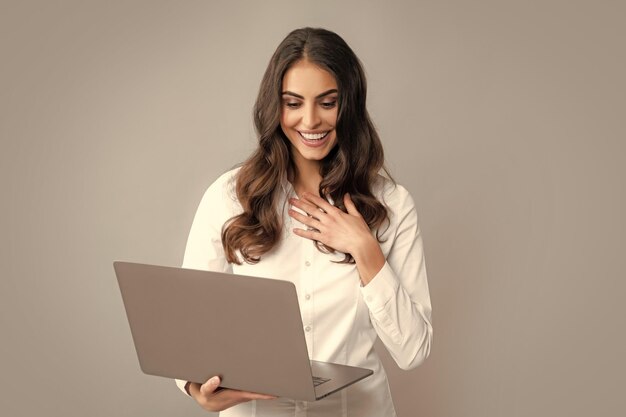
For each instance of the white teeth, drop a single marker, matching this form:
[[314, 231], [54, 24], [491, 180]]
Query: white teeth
[[313, 136]]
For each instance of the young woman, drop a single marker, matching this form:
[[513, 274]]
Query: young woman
[[311, 203]]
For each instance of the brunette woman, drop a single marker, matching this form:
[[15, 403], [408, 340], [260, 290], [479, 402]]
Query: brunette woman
[[314, 204]]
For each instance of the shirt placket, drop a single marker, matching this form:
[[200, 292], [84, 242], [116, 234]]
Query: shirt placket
[[306, 284], [307, 276]]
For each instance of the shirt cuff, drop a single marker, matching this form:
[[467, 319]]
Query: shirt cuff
[[181, 385], [380, 289]]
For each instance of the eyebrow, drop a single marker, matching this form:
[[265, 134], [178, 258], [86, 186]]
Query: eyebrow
[[325, 93]]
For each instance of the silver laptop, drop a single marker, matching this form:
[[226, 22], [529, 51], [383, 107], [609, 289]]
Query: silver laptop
[[192, 325]]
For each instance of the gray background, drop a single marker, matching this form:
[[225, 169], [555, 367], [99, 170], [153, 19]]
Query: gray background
[[505, 120]]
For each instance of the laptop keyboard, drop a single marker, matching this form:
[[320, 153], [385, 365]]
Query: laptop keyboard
[[318, 380]]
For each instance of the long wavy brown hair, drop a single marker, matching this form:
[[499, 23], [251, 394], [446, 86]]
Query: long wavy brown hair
[[352, 166]]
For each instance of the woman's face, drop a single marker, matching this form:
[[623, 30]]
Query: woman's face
[[309, 111]]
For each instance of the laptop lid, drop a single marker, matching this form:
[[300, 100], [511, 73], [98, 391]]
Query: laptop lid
[[191, 324]]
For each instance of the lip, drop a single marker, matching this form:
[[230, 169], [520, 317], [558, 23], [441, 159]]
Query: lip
[[315, 143]]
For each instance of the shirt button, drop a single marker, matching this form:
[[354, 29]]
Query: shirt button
[[307, 297], [307, 263], [307, 328]]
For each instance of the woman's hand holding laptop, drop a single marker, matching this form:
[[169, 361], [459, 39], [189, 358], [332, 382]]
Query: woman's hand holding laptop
[[211, 399]]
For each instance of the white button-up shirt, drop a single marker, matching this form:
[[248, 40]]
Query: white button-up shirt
[[341, 318]]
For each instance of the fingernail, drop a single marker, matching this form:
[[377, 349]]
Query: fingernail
[[214, 381]]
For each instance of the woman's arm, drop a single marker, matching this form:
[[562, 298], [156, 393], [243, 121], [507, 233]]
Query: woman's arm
[[395, 289], [398, 297], [204, 249]]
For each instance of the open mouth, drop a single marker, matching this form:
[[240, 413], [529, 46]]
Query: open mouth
[[314, 136]]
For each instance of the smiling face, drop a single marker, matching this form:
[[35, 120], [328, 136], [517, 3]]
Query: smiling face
[[309, 112]]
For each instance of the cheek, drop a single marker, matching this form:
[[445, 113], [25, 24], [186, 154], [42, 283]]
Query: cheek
[[332, 119], [287, 120]]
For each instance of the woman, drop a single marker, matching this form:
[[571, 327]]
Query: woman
[[310, 203]]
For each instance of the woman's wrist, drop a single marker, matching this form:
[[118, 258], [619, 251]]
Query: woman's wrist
[[369, 259]]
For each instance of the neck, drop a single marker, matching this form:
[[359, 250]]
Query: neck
[[306, 177]]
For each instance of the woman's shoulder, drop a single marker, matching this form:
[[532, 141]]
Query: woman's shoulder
[[228, 178], [224, 187]]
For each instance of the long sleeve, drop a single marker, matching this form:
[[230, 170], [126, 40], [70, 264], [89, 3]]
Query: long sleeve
[[397, 297], [340, 319], [204, 248], [204, 245]]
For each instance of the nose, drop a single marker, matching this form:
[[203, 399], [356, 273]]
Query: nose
[[311, 117]]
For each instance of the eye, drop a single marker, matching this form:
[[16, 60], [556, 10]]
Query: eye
[[329, 104], [292, 105]]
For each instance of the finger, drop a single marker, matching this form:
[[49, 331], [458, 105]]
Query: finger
[[347, 201], [309, 221], [225, 398], [307, 207], [231, 397], [309, 234], [319, 202], [210, 386], [257, 396]]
